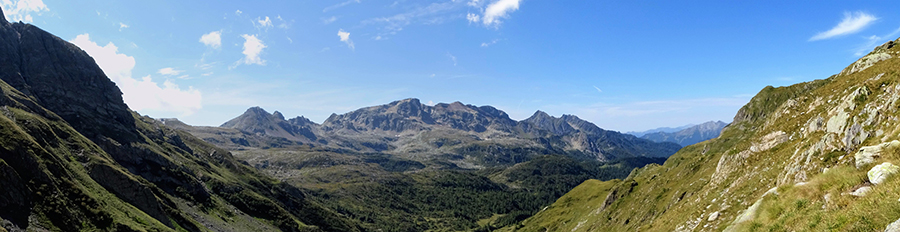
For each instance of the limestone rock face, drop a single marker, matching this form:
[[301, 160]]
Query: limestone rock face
[[881, 172], [867, 155]]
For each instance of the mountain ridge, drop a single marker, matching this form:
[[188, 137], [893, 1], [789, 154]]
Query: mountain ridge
[[795, 158], [691, 135], [382, 125]]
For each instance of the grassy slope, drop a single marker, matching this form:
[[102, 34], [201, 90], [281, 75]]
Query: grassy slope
[[715, 176], [391, 194], [47, 166], [48, 159]]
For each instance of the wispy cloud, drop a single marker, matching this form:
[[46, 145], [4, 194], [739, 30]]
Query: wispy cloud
[[488, 44], [284, 24], [169, 71], [434, 13], [452, 58], [345, 37], [852, 23], [872, 41], [339, 5], [598, 89], [262, 23], [238, 12], [122, 26], [329, 20]]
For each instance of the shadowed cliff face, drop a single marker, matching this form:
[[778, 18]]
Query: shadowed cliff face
[[63, 79], [74, 157]]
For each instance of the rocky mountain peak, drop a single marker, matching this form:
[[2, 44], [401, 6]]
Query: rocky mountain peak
[[49, 68], [539, 115], [2, 18], [301, 121], [278, 115], [410, 107], [253, 117], [555, 125]]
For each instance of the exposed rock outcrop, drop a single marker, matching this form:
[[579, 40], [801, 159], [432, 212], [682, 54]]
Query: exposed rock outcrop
[[881, 172], [867, 155]]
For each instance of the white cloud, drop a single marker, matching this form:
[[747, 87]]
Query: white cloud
[[345, 37], [21, 10], [263, 23], [212, 39], [598, 89], [473, 18], [852, 23], [169, 71], [122, 26], [143, 94], [252, 48], [474, 3], [238, 12], [497, 10]]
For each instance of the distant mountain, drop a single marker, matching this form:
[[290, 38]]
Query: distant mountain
[[74, 157], [403, 163], [690, 135], [661, 129], [409, 128], [257, 121], [586, 137]]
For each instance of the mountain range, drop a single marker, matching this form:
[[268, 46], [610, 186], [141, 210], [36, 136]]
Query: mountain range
[[409, 128], [689, 135], [369, 157]]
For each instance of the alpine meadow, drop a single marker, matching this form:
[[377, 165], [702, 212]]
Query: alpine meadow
[[449, 115]]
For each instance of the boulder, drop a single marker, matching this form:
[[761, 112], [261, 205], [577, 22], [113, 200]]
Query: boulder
[[867, 155], [862, 191], [713, 216], [893, 227], [880, 173]]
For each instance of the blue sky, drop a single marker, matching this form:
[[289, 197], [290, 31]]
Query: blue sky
[[624, 65]]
